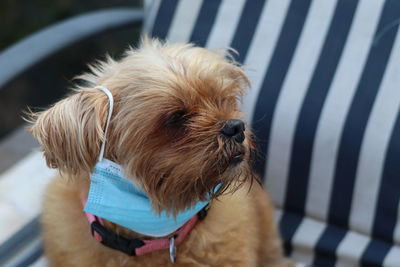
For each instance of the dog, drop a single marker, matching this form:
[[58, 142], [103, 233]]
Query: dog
[[176, 131]]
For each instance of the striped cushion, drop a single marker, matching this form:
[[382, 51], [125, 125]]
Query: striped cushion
[[324, 104]]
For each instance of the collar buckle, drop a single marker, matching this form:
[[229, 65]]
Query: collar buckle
[[114, 241]]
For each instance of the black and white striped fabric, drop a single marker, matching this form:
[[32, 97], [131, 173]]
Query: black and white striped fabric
[[324, 105]]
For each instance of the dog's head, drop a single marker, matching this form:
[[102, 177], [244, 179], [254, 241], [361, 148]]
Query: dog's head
[[176, 126]]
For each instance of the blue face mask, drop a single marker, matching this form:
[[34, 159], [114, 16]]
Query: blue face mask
[[116, 199]]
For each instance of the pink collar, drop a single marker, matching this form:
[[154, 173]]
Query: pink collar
[[138, 247]]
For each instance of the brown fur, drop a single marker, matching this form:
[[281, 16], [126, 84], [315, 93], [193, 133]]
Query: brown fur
[[171, 102]]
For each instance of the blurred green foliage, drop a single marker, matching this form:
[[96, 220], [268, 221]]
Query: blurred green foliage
[[50, 80]]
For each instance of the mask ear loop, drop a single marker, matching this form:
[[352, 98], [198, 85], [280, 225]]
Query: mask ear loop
[[110, 109]]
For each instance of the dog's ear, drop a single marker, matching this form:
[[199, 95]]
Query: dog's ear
[[70, 132]]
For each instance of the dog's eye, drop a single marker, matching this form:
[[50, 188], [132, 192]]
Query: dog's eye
[[177, 119]]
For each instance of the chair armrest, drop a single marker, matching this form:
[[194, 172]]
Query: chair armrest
[[40, 45]]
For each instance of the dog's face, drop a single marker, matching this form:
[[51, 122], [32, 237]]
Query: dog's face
[[175, 127]]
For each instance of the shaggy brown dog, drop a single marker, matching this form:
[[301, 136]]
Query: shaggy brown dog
[[172, 103]]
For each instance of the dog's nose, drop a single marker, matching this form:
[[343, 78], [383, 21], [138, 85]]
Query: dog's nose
[[234, 129]]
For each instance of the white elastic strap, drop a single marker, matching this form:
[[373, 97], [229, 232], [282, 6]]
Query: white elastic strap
[[110, 109]]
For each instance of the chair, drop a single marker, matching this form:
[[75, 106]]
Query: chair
[[324, 105], [22, 184]]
